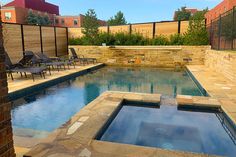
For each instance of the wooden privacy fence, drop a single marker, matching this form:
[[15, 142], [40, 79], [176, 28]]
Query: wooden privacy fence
[[148, 30], [53, 41]]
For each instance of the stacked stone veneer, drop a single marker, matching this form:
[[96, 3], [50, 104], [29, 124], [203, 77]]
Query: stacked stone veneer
[[6, 142], [222, 62], [159, 56]]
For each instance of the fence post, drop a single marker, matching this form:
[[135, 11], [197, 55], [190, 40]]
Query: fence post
[[41, 39], [233, 29], [219, 32], [22, 37], [211, 33], [55, 35], [179, 26], [130, 29], [154, 30], [108, 29], [67, 37]]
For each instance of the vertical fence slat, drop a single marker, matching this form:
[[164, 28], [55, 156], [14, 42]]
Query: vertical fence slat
[[67, 39], [41, 39], [219, 32], [55, 35], [211, 33], [154, 30], [179, 26], [22, 38], [233, 29], [130, 29], [108, 29]]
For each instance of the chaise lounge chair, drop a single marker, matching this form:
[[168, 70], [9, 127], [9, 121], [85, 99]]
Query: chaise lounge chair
[[20, 67], [81, 59], [51, 62]]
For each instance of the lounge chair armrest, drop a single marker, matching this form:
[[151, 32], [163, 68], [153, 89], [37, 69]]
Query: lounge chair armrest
[[55, 58]]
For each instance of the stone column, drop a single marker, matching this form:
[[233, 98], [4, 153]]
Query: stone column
[[6, 136]]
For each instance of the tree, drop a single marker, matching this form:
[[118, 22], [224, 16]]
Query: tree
[[35, 19], [90, 26], [182, 14], [118, 19], [45, 20], [32, 18], [197, 33]]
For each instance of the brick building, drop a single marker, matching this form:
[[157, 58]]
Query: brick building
[[191, 10], [18, 10], [6, 136], [73, 21], [224, 6]]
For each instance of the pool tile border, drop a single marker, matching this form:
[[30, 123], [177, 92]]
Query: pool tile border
[[82, 141]]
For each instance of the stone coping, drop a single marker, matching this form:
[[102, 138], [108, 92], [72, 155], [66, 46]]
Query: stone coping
[[77, 136], [142, 47]]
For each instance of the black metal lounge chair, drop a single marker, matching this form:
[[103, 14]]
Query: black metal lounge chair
[[81, 59], [51, 62], [20, 67]]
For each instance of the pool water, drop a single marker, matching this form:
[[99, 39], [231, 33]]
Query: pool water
[[45, 110], [170, 128]]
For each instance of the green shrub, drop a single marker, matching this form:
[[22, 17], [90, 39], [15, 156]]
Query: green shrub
[[75, 41], [120, 39], [160, 40], [105, 38], [177, 39], [136, 39]]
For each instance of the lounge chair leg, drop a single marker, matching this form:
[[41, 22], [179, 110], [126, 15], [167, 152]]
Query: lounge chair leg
[[32, 76], [11, 76], [25, 75], [49, 70], [21, 74], [43, 75], [40, 75]]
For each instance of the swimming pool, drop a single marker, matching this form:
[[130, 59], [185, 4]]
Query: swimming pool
[[42, 112], [172, 128]]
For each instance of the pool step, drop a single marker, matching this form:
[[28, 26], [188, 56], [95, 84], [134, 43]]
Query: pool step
[[168, 100]]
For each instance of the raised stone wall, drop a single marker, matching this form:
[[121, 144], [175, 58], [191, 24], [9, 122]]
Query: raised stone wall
[[6, 142], [159, 56], [222, 62]]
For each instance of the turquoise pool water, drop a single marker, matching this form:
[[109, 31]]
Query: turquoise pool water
[[168, 127], [44, 111]]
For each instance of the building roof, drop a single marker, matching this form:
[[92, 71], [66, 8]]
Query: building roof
[[39, 5]]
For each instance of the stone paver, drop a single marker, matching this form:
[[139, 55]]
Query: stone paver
[[217, 86]]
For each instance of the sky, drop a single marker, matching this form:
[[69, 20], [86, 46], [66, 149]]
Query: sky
[[135, 11]]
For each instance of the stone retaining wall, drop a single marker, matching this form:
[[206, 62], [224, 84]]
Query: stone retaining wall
[[222, 62], [159, 56]]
